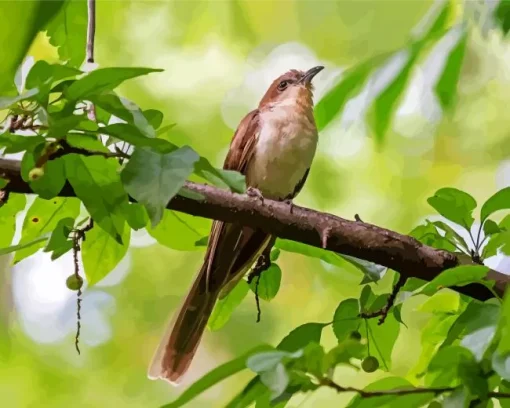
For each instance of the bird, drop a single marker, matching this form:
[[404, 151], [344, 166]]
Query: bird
[[273, 147]]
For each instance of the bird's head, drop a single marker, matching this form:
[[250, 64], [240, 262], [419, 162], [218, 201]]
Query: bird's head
[[290, 88]]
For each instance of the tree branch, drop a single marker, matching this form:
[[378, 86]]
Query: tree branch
[[399, 252], [400, 392]]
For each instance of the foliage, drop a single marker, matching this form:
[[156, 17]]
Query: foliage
[[75, 144]]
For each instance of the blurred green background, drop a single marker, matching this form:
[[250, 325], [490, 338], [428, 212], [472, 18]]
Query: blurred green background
[[219, 57]]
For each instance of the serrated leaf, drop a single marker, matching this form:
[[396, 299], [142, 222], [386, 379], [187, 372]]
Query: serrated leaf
[[499, 201], [26, 19], [96, 182], [458, 276], [102, 80], [8, 213], [446, 86], [455, 205], [214, 376], [153, 179], [59, 242], [125, 110], [301, 336], [180, 231], [100, 253], [268, 283], [226, 306], [346, 319], [42, 217], [52, 181], [68, 32]]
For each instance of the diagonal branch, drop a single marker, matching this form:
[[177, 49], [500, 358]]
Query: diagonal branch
[[399, 252]]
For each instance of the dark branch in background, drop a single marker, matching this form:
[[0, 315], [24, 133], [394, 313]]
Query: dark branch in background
[[91, 30], [399, 252], [263, 264]]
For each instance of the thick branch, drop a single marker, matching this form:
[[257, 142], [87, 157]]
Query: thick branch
[[399, 252]]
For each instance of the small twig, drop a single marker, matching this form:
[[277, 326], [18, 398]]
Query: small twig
[[325, 236], [383, 312], [357, 218], [263, 263], [79, 235]]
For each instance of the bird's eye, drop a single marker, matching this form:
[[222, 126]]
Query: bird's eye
[[282, 85]]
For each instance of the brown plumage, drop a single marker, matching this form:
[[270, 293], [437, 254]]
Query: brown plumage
[[273, 147]]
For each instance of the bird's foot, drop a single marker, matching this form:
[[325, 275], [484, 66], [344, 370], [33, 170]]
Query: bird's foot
[[255, 192], [289, 202]]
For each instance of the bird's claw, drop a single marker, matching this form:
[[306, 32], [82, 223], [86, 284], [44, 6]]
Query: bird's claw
[[255, 192]]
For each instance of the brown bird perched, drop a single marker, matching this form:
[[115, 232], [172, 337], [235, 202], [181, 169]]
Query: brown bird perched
[[273, 147]]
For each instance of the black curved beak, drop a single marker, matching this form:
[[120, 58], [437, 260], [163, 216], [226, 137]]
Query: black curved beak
[[309, 75]]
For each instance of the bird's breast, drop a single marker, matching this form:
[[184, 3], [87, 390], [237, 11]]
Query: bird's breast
[[284, 151]]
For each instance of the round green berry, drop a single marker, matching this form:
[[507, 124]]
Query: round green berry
[[74, 282], [370, 364]]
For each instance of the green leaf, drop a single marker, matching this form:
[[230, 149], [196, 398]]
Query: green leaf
[[135, 137], [268, 360], [226, 306], [43, 74], [96, 182], [59, 242], [154, 117], [334, 101], [446, 86], [268, 283], [42, 217], [490, 228], [504, 387], [8, 213], [18, 143], [153, 179], [458, 276], [501, 364], [504, 326], [103, 80], [502, 15], [391, 401], [28, 244], [452, 235], [308, 250], [301, 336], [343, 352], [86, 142], [101, 253], [500, 240], [276, 380], [385, 103], [366, 298], [52, 181], [125, 110], [455, 205], [214, 377], [25, 19], [429, 235], [445, 366], [232, 179], [371, 271], [8, 101], [346, 319], [248, 395], [179, 231], [68, 32], [499, 201], [135, 215]]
